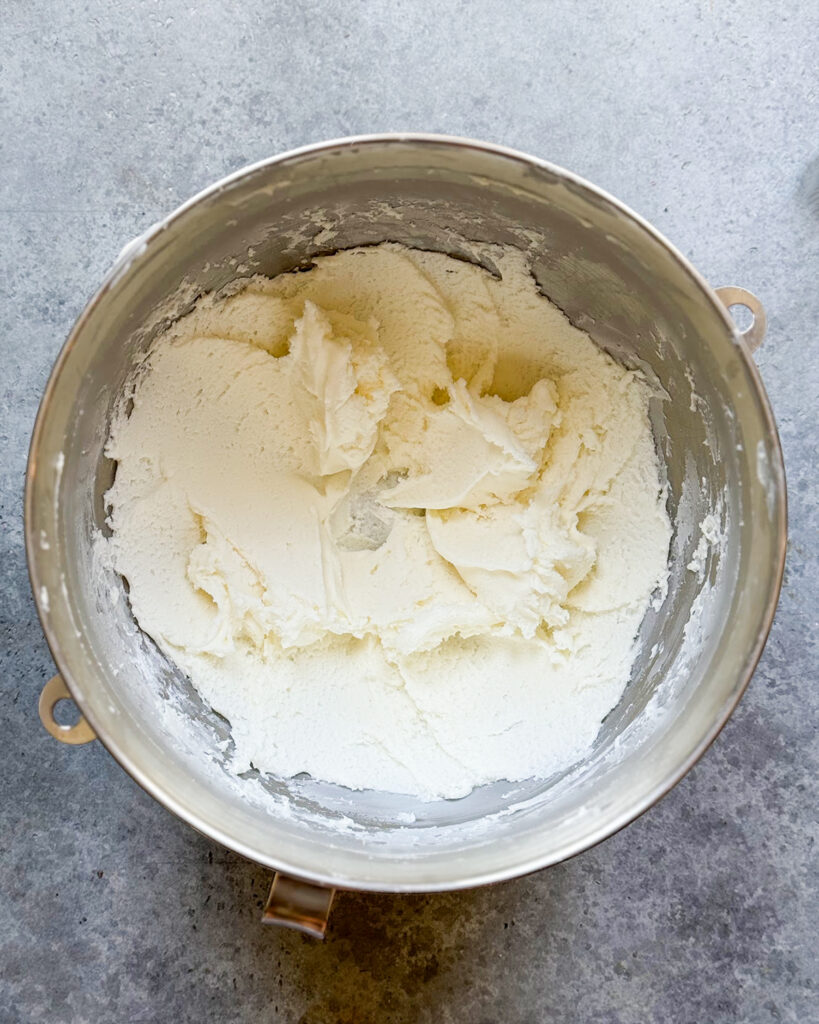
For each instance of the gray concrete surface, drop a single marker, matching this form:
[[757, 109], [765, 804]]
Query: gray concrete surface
[[703, 117]]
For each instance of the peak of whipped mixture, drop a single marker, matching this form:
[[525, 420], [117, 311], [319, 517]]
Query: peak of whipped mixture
[[395, 517]]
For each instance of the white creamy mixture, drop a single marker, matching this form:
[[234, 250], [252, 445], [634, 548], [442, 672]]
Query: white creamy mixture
[[397, 519]]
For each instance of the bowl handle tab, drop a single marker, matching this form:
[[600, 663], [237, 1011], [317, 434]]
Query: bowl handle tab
[[54, 691], [733, 296], [294, 903]]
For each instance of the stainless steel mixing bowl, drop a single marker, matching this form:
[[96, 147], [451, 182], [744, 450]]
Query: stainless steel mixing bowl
[[614, 276]]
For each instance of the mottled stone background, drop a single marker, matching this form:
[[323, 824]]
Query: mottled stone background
[[702, 115]]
